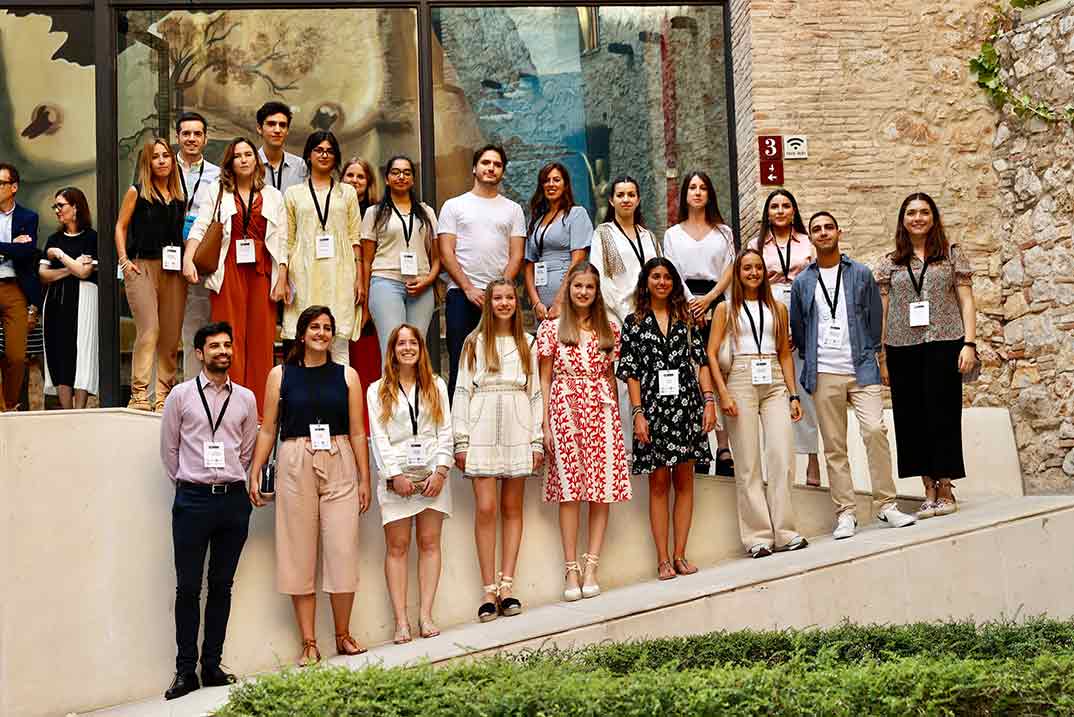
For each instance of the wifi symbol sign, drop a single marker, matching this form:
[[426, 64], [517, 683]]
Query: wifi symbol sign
[[795, 147]]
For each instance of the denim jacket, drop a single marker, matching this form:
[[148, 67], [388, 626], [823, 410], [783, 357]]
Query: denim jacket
[[864, 314]]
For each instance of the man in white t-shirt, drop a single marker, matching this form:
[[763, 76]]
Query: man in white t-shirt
[[482, 238], [835, 315]]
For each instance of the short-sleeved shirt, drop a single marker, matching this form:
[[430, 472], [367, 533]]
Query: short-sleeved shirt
[[565, 234], [801, 256], [939, 289], [483, 229], [390, 239], [74, 246], [706, 259]]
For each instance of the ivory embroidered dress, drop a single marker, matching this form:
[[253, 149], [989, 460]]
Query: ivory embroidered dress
[[588, 460]]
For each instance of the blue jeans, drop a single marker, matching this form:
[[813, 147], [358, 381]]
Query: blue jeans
[[461, 318], [390, 307]]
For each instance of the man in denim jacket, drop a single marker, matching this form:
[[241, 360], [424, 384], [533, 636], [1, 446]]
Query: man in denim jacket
[[836, 316]]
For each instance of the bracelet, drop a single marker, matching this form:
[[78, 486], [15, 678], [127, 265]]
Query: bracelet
[[794, 397], [636, 410], [706, 394], [971, 344], [710, 399]]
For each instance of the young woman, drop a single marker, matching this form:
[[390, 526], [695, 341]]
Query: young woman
[[149, 245], [252, 249], [69, 271], [784, 244], [366, 351], [702, 248], [412, 444], [663, 363], [759, 382], [583, 437], [323, 261], [322, 480], [930, 330], [400, 255], [359, 173], [557, 239], [497, 417]]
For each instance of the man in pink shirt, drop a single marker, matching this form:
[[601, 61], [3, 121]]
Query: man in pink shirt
[[206, 443]]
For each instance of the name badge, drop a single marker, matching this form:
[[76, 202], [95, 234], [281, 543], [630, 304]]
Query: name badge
[[320, 438], [668, 382], [919, 313], [833, 336], [172, 259], [782, 293], [415, 453], [408, 263], [326, 246], [213, 454], [761, 370], [540, 273], [188, 224], [244, 251]]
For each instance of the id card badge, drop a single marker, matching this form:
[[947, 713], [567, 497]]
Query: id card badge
[[320, 438], [326, 246], [668, 382], [919, 313], [171, 259], [408, 263], [761, 371], [244, 251], [540, 273], [782, 293], [213, 454], [188, 224], [833, 336], [415, 453]]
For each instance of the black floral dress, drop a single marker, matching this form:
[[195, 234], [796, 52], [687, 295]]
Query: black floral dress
[[674, 421]]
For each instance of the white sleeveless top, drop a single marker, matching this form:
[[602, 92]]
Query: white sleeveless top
[[746, 343]]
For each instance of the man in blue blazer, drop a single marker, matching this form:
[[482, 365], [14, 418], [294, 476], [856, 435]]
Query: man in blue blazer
[[20, 289]]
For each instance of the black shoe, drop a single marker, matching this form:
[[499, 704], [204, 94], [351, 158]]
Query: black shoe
[[760, 551], [510, 606], [183, 684], [724, 466], [216, 677], [487, 612]]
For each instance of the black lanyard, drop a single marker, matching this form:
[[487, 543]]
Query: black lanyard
[[414, 409], [208, 413], [408, 229], [639, 250], [918, 285], [247, 211], [323, 218], [838, 279], [190, 195], [277, 177], [757, 335], [540, 236], [785, 264]]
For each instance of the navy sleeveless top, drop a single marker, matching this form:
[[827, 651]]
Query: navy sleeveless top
[[315, 394]]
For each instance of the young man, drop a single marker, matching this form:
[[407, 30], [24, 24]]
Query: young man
[[482, 237], [196, 174], [835, 322], [206, 443], [282, 169], [20, 289]]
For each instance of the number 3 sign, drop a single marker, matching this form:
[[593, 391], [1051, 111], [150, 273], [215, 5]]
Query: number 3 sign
[[770, 147]]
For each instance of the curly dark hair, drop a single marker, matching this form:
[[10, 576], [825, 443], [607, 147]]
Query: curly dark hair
[[677, 307]]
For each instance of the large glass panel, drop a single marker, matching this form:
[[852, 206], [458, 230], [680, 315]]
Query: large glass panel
[[605, 90]]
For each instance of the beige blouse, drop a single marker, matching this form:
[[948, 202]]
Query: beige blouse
[[939, 289], [391, 242]]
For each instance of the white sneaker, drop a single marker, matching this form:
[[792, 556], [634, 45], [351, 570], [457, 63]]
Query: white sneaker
[[845, 525], [894, 517]]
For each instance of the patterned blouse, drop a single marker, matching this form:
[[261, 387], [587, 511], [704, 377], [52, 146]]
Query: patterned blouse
[[938, 288]]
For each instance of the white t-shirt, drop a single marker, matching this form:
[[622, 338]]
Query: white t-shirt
[[483, 229], [832, 360], [706, 259]]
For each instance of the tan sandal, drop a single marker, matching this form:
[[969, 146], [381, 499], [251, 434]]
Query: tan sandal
[[305, 659], [593, 590], [684, 566], [402, 634], [347, 645], [665, 570], [428, 629]]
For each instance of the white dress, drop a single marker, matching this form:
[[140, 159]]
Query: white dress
[[498, 416], [390, 451]]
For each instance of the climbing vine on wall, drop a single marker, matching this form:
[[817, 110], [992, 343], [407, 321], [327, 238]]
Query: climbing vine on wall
[[987, 68]]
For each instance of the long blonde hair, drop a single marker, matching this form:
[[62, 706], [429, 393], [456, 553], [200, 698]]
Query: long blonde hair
[[388, 392], [764, 292], [145, 172], [569, 334], [486, 329]]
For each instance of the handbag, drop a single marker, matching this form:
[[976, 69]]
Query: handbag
[[268, 471], [207, 254]]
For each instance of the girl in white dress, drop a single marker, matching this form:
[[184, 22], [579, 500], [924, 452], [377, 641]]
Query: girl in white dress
[[412, 443], [497, 414]]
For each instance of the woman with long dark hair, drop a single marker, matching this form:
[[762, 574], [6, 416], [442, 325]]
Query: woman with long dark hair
[[930, 334]]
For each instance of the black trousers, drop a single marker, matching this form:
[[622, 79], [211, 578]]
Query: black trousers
[[460, 317], [926, 403], [218, 525]]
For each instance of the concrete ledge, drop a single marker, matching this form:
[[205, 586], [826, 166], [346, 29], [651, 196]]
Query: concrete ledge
[[1032, 14]]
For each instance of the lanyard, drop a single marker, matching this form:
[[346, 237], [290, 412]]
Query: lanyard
[[208, 413], [540, 236], [639, 250], [917, 284], [785, 264], [757, 335], [408, 229], [838, 279], [277, 177], [323, 218], [247, 211], [190, 195], [414, 409]]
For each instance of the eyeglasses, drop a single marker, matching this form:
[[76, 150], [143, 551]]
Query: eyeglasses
[[323, 151], [5, 182], [401, 173], [57, 207]]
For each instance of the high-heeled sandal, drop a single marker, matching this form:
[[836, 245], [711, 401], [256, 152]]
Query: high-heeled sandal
[[347, 645], [684, 566], [305, 660], [593, 590], [509, 606], [489, 610], [572, 594], [402, 634], [428, 629]]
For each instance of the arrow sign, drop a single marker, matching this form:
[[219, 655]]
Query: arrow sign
[[772, 173]]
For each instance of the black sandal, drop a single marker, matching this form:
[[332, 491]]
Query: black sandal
[[488, 610], [509, 606], [725, 466]]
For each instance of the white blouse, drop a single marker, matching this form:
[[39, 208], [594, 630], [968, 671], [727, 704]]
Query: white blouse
[[706, 259]]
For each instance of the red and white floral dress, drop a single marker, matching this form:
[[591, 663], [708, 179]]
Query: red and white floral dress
[[588, 460]]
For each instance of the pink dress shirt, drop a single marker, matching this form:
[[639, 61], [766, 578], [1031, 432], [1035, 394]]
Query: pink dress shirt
[[185, 428], [801, 257]]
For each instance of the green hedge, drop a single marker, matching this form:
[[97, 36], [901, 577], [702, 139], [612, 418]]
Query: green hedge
[[951, 669]]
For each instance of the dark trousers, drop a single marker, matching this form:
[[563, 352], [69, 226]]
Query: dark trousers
[[214, 524], [461, 318]]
